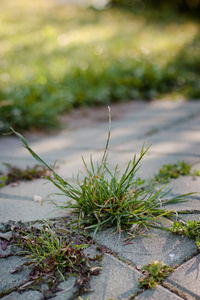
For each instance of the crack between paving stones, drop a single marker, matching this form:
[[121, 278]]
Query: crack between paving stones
[[172, 124], [180, 291], [196, 253], [15, 197], [189, 198], [8, 292], [177, 289], [188, 211]]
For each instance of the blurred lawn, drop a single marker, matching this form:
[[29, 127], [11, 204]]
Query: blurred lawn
[[54, 57]]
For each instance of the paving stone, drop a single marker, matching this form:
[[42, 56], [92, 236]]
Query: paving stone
[[67, 288], [3, 228], [187, 277], [175, 147], [150, 163], [191, 204], [158, 293], [184, 185], [117, 280], [196, 167], [155, 245], [24, 159], [26, 190], [10, 249], [22, 210], [29, 295], [9, 280], [190, 217]]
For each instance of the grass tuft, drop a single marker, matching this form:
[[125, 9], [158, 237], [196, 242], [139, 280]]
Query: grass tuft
[[56, 250], [105, 198]]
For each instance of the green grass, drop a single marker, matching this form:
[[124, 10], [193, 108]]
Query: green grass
[[56, 57], [190, 229], [170, 171], [55, 250], [15, 174], [112, 199]]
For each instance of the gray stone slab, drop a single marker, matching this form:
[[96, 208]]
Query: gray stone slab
[[191, 204], [190, 217], [132, 127], [150, 163], [68, 289], [29, 295], [184, 185], [158, 293], [174, 110], [187, 277], [7, 144], [117, 280], [171, 142], [10, 249], [196, 166], [9, 280], [24, 159], [175, 146], [26, 190], [155, 245], [20, 210]]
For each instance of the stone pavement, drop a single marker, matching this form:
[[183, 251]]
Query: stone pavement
[[173, 129]]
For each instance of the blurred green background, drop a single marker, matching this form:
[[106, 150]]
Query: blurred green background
[[55, 56]]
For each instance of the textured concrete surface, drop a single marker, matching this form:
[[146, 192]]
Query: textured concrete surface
[[155, 245], [117, 280], [9, 280], [158, 293], [187, 277], [29, 295], [173, 129]]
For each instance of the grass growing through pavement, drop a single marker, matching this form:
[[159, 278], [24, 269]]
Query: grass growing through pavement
[[190, 229], [55, 251], [15, 174], [105, 198], [170, 171], [79, 56]]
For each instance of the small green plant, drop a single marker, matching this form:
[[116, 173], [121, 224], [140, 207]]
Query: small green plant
[[170, 171], [3, 180], [105, 198], [15, 174], [190, 229], [52, 250], [154, 273], [55, 252]]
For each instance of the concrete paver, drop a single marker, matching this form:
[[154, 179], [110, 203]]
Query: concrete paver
[[9, 280], [158, 293], [186, 184], [28, 295], [117, 280], [18, 210], [187, 276], [155, 245]]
